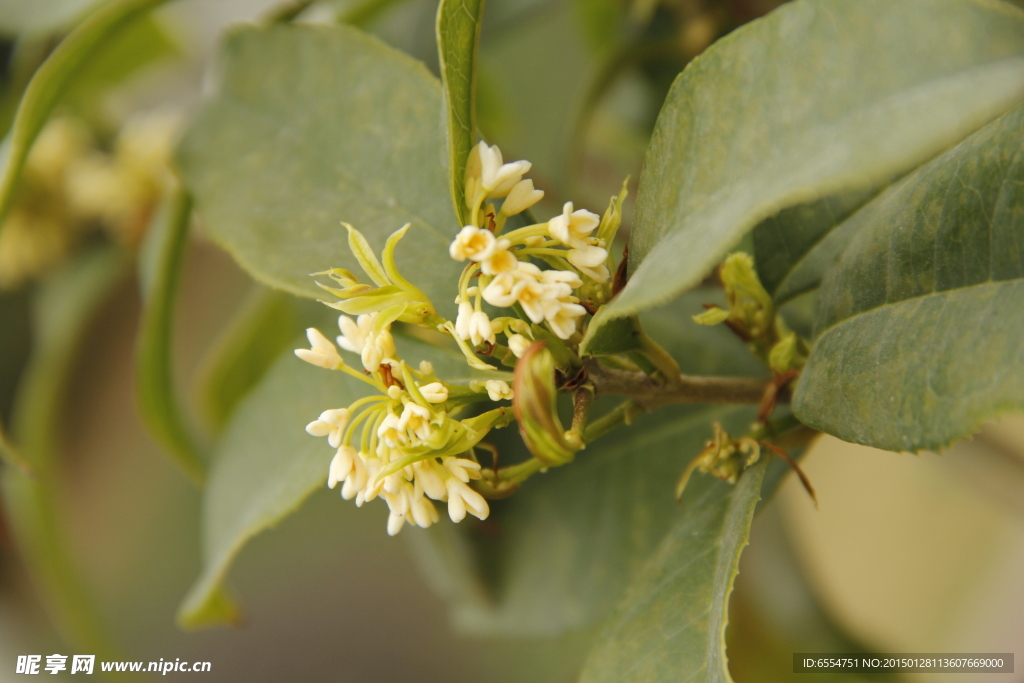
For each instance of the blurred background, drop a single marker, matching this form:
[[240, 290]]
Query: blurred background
[[906, 553]]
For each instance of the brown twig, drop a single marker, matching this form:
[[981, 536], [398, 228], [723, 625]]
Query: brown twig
[[650, 393]]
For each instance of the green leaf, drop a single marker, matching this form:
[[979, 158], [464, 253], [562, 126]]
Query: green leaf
[[794, 248], [10, 454], [311, 126], [143, 43], [918, 325], [252, 341], [33, 17], [64, 307], [266, 465], [619, 336], [160, 265], [672, 620], [749, 130], [458, 44], [570, 540], [52, 80]]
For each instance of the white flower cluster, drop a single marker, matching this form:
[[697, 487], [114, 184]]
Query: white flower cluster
[[404, 432], [409, 490], [405, 443], [506, 279]]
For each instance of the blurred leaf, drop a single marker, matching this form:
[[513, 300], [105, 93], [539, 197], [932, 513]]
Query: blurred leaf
[[750, 129], [35, 16], [353, 127], [673, 617], [142, 43], [10, 454], [458, 42], [15, 322], [52, 80], [918, 325], [160, 263], [601, 21], [537, 69], [267, 465], [252, 341], [558, 554], [64, 307]]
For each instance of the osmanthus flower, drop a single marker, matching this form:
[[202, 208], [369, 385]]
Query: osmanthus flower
[[408, 442], [360, 336], [573, 228], [404, 442]]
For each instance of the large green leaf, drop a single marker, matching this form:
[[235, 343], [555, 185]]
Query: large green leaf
[[458, 43], [820, 98], [558, 554], [919, 324], [671, 623], [311, 126], [795, 247], [266, 465]]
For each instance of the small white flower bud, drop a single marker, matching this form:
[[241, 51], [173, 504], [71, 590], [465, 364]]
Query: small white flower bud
[[430, 479], [389, 432], [480, 329], [342, 466], [435, 392], [498, 390], [330, 424], [463, 469], [462, 321], [522, 197], [518, 343], [395, 524], [587, 256], [462, 498], [322, 354]]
